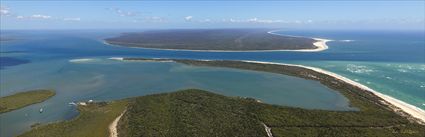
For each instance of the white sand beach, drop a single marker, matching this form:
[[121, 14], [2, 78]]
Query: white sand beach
[[320, 43], [398, 104]]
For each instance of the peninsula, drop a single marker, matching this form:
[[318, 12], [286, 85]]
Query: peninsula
[[23, 99], [329, 79], [195, 112], [218, 40]]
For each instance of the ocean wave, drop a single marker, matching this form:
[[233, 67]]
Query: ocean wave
[[116, 58], [81, 60], [346, 40], [359, 69], [410, 68], [422, 67], [405, 66], [402, 70]]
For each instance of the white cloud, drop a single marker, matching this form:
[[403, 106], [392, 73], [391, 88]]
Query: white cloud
[[122, 12], [309, 21], [263, 21], [4, 11], [155, 19], [72, 19], [150, 19], [39, 16], [188, 18], [205, 21]]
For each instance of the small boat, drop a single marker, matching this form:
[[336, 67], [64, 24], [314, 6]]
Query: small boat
[[41, 110]]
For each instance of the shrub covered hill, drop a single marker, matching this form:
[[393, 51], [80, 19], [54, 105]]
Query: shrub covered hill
[[200, 113]]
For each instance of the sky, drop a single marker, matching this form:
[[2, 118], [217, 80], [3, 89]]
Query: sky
[[39, 14]]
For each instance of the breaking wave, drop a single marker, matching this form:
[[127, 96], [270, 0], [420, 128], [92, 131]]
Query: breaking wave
[[359, 69], [81, 60], [347, 40]]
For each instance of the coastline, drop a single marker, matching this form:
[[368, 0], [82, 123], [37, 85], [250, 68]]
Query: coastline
[[397, 105], [320, 43], [400, 107], [320, 46]]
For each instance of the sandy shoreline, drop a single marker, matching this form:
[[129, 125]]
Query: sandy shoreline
[[320, 43], [403, 106]]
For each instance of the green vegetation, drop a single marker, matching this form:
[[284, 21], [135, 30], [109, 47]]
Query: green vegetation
[[24, 99], [93, 121], [190, 113], [212, 39], [374, 117], [199, 113]]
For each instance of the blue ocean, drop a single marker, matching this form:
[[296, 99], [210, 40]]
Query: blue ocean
[[76, 64]]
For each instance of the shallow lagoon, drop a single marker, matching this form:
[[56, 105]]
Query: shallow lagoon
[[103, 79]]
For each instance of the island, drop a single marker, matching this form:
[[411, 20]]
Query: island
[[195, 112], [217, 40], [23, 99]]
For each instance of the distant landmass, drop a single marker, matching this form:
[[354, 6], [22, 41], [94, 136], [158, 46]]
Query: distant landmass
[[213, 39]]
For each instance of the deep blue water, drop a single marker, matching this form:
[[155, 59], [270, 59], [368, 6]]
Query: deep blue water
[[9, 61], [391, 62]]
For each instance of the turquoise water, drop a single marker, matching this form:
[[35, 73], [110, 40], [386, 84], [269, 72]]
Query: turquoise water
[[389, 62], [405, 81]]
